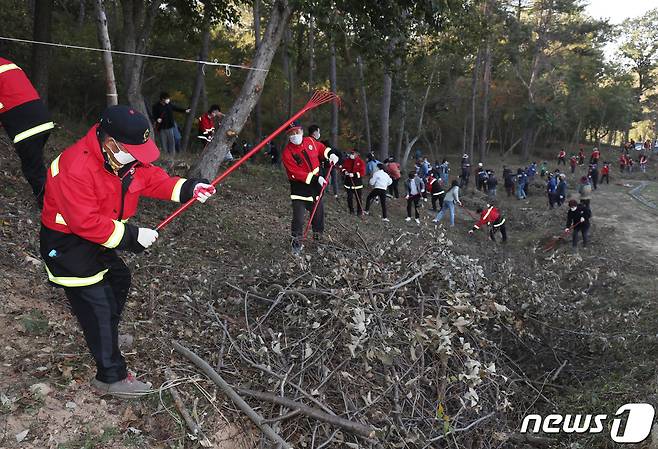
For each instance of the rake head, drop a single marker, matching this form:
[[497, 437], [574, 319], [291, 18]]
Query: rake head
[[321, 97]]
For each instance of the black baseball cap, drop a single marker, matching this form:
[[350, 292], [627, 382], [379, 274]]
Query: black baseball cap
[[294, 126], [130, 128]]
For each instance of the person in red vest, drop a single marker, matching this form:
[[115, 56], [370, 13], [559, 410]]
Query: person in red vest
[[490, 217], [301, 158], [435, 188], [354, 169], [573, 162], [207, 123], [605, 173], [561, 157], [27, 122], [92, 189], [594, 158]]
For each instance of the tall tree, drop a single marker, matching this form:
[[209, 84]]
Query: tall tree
[[364, 101], [232, 124], [384, 114], [257, 115], [108, 64], [198, 84], [334, 88], [41, 31]]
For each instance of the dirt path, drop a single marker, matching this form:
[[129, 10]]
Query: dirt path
[[631, 215]]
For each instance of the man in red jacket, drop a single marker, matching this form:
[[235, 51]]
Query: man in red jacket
[[301, 158], [92, 189], [491, 217], [561, 157], [27, 122], [354, 169], [207, 123]]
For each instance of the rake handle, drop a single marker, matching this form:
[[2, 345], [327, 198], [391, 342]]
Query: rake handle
[[310, 105], [317, 203]]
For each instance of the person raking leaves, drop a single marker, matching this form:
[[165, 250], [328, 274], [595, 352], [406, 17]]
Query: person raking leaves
[[92, 189], [490, 217]]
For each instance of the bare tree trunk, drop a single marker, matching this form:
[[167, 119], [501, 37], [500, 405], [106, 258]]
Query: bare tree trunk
[[232, 124], [364, 99], [198, 85], [257, 115], [384, 113], [104, 40], [138, 19], [81, 13], [311, 53], [41, 31], [403, 119], [287, 70], [485, 102], [334, 88], [474, 95], [411, 143]]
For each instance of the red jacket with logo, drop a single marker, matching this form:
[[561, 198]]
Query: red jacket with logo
[[22, 112], [86, 206], [489, 216], [302, 163], [357, 168]]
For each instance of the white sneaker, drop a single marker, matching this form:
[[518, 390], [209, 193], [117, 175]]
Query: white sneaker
[[366, 212], [407, 219], [386, 220], [435, 221], [418, 220]]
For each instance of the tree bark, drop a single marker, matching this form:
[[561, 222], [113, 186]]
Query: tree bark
[[108, 64], [485, 102], [198, 85], [257, 115], [138, 19], [287, 70], [41, 31], [384, 114], [311, 53], [411, 143], [474, 95], [334, 87], [364, 99], [403, 119], [232, 124]]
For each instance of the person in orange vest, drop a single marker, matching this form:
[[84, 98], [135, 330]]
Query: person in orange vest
[[27, 122], [561, 157], [92, 189], [354, 169], [490, 217]]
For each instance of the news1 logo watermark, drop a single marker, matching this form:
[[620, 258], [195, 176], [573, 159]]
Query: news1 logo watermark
[[637, 429]]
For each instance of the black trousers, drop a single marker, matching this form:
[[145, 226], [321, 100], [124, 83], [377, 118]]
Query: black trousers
[[30, 152], [561, 161], [437, 197], [584, 231], [393, 188], [413, 200], [494, 229], [607, 179], [381, 193], [351, 193], [98, 309], [552, 199], [299, 208], [595, 180]]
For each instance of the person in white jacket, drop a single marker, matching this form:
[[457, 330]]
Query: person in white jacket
[[380, 181]]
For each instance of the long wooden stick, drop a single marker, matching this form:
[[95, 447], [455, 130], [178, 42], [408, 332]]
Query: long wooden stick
[[350, 426], [230, 392], [178, 401]]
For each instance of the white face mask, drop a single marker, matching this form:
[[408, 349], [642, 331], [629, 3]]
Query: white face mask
[[123, 158], [316, 135], [573, 209], [352, 156], [296, 139], [167, 101]]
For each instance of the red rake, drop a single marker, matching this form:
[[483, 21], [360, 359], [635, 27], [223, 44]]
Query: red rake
[[552, 243], [317, 203], [318, 98]]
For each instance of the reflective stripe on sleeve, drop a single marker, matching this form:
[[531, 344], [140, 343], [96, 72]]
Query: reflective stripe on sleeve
[[7, 67], [115, 238], [327, 150], [33, 131], [75, 281], [54, 167], [309, 177], [487, 214], [175, 193], [500, 224]]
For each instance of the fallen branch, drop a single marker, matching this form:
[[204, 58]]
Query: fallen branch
[[178, 401], [350, 426], [230, 392]]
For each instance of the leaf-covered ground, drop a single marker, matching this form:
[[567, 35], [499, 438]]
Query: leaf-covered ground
[[430, 337]]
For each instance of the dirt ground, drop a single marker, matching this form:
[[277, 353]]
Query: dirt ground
[[608, 311]]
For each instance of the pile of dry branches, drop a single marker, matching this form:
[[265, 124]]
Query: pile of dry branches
[[359, 348]]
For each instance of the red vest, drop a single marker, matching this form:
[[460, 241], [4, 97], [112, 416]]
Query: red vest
[[15, 87]]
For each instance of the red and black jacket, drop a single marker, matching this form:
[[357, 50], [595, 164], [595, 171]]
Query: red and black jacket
[[357, 168], [489, 217], [562, 155], [206, 127], [605, 170], [22, 112], [573, 160], [86, 206], [434, 186], [595, 155], [302, 163]]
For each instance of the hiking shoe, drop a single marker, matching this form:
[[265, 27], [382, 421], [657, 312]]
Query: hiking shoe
[[435, 221], [386, 220], [297, 250], [418, 220], [126, 341], [128, 388], [407, 219]]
